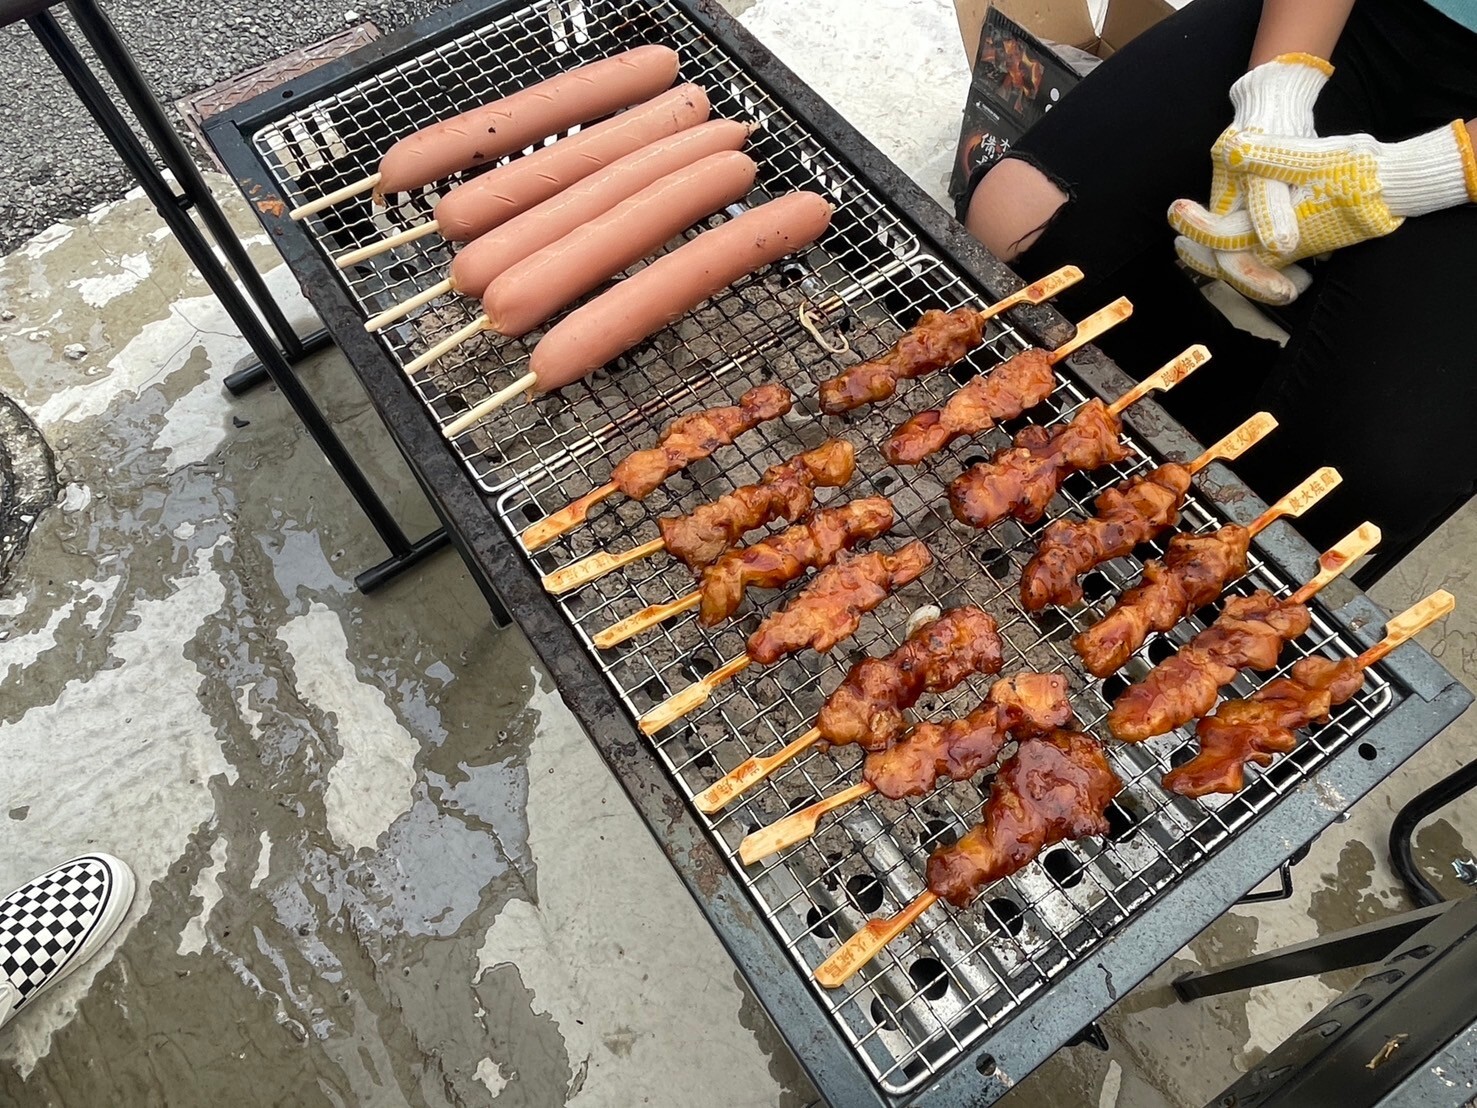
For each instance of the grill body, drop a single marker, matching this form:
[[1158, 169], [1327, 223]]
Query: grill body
[[955, 1010]]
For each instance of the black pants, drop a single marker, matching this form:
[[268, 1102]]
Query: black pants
[[1380, 377]]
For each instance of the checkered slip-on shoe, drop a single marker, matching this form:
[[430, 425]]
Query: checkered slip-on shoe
[[52, 925]]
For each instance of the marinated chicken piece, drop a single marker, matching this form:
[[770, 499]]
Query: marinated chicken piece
[[867, 707], [812, 543], [1252, 730], [1249, 634], [1027, 704], [936, 341], [696, 435], [831, 607], [1007, 391], [1022, 480], [786, 491], [1051, 789], [1195, 570], [1126, 514]]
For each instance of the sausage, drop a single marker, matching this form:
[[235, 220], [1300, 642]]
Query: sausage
[[505, 126], [673, 285], [486, 256], [541, 285], [498, 195]]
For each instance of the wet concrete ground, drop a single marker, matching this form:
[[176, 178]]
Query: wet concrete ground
[[379, 863]]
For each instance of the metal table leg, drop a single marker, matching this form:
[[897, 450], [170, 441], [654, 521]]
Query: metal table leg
[[1358, 946], [1403, 826], [101, 35], [403, 553]]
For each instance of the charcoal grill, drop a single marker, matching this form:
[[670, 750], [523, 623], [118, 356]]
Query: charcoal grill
[[953, 1011]]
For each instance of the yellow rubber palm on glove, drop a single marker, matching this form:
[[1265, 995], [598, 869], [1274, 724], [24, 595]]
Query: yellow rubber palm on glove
[[1344, 190]]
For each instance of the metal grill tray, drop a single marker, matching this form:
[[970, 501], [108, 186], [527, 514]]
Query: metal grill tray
[[958, 980]]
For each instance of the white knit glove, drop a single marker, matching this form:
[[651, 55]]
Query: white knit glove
[[1343, 190], [1275, 98]]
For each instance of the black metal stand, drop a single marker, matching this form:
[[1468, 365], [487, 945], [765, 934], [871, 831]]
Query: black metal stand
[[1357, 946], [1403, 826], [1376, 1044], [175, 208]]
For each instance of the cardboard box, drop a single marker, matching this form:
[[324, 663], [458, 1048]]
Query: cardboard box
[[1018, 78]]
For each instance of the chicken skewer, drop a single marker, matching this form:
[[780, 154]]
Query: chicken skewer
[[813, 543], [1051, 789], [1010, 389], [683, 441], [1194, 571], [1248, 634], [1253, 730], [936, 341], [828, 610], [1021, 480], [700, 538], [1131, 512], [867, 707], [955, 750]]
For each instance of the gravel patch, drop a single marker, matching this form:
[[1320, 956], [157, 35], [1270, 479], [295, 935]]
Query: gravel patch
[[55, 163]]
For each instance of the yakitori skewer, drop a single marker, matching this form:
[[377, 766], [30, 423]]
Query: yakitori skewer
[[1242, 732], [685, 440], [700, 538], [505, 126], [954, 750], [1022, 479], [938, 340], [1194, 571], [1052, 789], [813, 543], [1131, 512], [487, 257], [867, 707], [1248, 634], [828, 610], [1010, 389]]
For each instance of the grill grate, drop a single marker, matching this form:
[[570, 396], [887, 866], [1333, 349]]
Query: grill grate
[[955, 975]]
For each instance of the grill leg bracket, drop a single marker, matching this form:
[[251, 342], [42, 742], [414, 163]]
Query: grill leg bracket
[[1357, 946], [1403, 826]]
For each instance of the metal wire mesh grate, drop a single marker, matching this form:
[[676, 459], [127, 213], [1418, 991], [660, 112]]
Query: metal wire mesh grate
[[956, 974]]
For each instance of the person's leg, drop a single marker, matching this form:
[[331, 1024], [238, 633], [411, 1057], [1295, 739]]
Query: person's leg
[[1102, 167], [1090, 185], [1379, 383]]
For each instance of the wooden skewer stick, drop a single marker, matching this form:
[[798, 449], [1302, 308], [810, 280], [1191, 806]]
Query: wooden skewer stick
[[645, 619], [354, 257], [1408, 624], [538, 535], [1300, 499], [1036, 292], [799, 826], [405, 307], [751, 772], [679, 704], [1110, 315], [862, 947], [1338, 558], [313, 207], [471, 330], [598, 565], [1237, 443], [469, 419], [1162, 379]]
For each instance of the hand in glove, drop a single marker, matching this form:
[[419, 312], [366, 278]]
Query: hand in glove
[[1344, 190], [1275, 98]]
